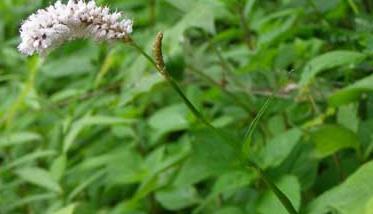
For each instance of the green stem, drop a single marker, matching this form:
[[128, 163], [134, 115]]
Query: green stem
[[281, 196], [285, 201], [353, 6], [174, 85]]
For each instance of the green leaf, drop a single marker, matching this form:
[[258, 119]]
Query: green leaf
[[227, 183], [85, 184], [69, 209], [352, 92], [58, 167], [354, 196], [168, 119], [39, 177], [269, 204], [233, 180], [329, 139], [211, 156], [89, 121], [328, 61], [348, 117], [28, 158], [74, 64], [131, 170], [18, 138], [278, 149], [32, 199], [176, 198], [143, 84], [201, 15]]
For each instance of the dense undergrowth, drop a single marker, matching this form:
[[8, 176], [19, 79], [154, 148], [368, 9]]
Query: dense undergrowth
[[92, 128]]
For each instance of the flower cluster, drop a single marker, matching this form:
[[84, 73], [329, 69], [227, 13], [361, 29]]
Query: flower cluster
[[50, 27]]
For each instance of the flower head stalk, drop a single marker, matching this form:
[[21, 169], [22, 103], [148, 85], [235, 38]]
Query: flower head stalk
[[50, 27]]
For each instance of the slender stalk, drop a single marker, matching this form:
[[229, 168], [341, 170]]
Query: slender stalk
[[162, 70], [285, 201], [353, 6], [174, 85]]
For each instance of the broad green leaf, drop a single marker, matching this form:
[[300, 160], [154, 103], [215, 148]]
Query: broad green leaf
[[130, 170], [90, 121], [39, 177], [269, 204], [176, 198], [211, 156], [329, 139], [352, 92], [327, 61], [277, 149], [353, 196], [18, 138], [168, 119], [231, 181]]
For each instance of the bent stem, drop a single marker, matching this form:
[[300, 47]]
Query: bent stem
[[163, 71]]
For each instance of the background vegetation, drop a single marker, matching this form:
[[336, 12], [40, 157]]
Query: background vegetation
[[94, 129]]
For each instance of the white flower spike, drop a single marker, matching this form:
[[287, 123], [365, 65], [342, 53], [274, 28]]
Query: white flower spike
[[50, 27]]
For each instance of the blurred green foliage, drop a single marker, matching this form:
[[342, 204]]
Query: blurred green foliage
[[93, 129]]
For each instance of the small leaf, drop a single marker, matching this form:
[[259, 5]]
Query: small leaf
[[329, 139], [39, 177], [327, 61]]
